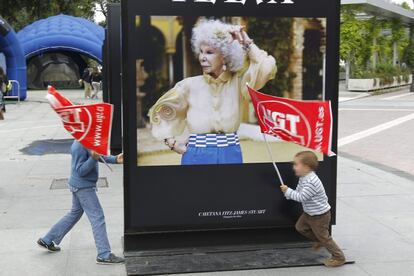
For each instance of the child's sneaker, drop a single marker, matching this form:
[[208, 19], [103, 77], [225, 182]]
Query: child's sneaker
[[112, 259], [49, 247], [334, 263]]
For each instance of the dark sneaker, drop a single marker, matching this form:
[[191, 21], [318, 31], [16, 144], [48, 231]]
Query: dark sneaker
[[49, 247], [112, 259]]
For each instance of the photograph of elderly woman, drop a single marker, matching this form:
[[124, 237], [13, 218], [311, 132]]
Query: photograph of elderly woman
[[193, 107]]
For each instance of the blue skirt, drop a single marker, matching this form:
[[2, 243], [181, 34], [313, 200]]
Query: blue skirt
[[208, 149]]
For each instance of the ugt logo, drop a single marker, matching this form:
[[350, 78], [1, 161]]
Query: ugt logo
[[77, 121], [289, 123], [241, 1]]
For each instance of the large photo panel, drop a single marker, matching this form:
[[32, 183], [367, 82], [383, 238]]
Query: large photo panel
[[210, 118], [196, 159]]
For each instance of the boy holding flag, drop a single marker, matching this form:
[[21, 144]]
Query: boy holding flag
[[82, 184], [309, 124], [90, 125], [315, 221]]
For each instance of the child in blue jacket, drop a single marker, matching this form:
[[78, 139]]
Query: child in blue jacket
[[82, 184]]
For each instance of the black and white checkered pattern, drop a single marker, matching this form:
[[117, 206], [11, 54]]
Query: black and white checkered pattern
[[213, 140]]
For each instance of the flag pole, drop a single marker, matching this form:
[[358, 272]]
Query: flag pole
[[103, 161], [273, 160]]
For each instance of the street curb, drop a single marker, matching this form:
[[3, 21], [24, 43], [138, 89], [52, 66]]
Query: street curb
[[390, 90], [377, 93]]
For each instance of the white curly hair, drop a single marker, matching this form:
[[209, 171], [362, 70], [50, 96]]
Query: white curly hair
[[217, 34]]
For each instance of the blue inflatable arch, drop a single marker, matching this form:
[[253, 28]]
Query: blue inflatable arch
[[15, 59], [63, 33]]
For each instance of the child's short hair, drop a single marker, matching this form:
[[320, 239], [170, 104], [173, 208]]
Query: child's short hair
[[308, 158]]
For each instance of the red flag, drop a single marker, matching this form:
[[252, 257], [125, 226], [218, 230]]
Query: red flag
[[56, 100], [89, 124], [307, 123]]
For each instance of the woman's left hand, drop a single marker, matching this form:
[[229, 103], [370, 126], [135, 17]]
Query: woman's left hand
[[180, 148]]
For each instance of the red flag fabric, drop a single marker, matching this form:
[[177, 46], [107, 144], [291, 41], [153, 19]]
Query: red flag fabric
[[89, 124], [56, 99], [307, 123]]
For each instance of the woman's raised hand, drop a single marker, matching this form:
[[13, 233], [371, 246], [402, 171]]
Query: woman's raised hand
[[241, 36]]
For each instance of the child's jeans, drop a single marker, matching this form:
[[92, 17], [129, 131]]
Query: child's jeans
[[83, 200], [316, 228]]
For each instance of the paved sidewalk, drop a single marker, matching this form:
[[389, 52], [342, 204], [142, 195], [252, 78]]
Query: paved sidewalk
[[375, 223]]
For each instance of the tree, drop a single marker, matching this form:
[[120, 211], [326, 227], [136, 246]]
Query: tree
[[405, 5], [102, 6], [20, 13], [356, 37], [408, 55]]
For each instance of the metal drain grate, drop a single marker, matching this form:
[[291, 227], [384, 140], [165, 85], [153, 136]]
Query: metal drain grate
[[62, 183]]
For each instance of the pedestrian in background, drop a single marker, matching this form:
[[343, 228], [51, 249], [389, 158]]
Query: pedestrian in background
[[96, 79], [82, 184], [4, 83], [86, 82]]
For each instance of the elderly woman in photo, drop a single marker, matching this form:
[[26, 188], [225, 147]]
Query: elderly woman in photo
[[209, 105]]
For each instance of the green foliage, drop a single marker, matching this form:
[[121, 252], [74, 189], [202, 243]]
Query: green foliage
[[357, 36], [385, 72], [398, 30], [20, 13], [353, 46], [274, 36], [408, 53], [405, 5], [399, 34], [357, 46]]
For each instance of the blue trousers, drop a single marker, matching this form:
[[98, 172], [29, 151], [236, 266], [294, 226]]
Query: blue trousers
[[83, 200], [212, 155]]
